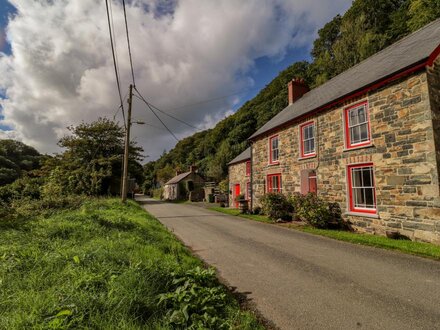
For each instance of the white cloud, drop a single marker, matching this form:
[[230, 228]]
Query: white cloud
[[61, 71]]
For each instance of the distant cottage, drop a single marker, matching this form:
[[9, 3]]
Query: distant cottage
[[184, 186], [368, 139]]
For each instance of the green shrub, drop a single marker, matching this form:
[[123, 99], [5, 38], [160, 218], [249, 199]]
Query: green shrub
[[196, 301], [316, 212], [158, 193], [276, 206]]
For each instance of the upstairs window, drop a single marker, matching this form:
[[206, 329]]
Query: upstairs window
[[248, 168], [361, 187], [273, 150], [274, 183], [248, 190], [357, 126], [307, 138]]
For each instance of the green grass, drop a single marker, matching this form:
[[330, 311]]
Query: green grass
[[406, 246], [235, 212], [101, 266]]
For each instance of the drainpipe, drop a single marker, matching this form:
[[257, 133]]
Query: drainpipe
[[252, 182]]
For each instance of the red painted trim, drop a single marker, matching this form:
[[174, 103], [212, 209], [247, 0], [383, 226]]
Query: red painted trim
[[414, 68], [269, 182], [350, 189], [348, 144], [433, 56], [248, 185], [271, 161], [301, 139], [248, 168]]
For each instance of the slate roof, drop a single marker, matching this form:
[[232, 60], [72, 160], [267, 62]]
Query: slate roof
[[178, 178], [405, 53], [245, 155]]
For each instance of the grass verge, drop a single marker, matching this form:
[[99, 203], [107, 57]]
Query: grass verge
[[103, 265], [405, 246], [235, 212]]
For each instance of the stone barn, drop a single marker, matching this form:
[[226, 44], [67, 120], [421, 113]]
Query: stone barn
[[185, 186]]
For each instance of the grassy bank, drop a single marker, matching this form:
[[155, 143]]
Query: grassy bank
[[103, 265], [405, 246]]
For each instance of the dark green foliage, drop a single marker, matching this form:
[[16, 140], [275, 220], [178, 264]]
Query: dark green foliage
[[16, 159], [196, 301], [276, 206], [316, 212]]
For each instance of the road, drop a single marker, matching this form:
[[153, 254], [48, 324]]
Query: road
[[301, 281]]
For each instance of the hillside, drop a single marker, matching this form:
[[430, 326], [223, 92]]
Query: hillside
[[367, 27]]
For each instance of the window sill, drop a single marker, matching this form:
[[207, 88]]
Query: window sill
[[272, 164], [362, 214], [358, 147], [307, 157]]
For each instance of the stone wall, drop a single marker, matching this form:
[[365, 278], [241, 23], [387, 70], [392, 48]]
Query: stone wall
[[402, 152], [237, 175]]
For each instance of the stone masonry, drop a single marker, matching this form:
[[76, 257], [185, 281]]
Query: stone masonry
[[237, 175], [405, 152]]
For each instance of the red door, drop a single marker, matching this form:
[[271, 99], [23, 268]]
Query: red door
[[237, 192]]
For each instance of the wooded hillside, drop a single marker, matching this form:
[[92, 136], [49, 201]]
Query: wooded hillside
[[367, 27]]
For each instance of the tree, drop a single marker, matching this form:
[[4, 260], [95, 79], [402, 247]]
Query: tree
[[422, 12], [92, 161]]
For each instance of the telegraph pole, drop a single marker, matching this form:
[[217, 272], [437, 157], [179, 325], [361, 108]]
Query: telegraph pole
[[127, 144]]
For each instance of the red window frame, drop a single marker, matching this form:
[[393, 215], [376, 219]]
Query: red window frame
[[269, 187], [348, 144], [248, 168], [301, 139], [271, 161], [351, 205], [248, 190]]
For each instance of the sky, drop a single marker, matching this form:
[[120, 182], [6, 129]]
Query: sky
[[56, 66]]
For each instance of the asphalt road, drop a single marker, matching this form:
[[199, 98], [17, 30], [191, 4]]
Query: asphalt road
[[302, 281]]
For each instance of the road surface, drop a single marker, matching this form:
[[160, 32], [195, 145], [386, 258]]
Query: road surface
[[301, 281]]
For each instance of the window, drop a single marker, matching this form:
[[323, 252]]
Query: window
[[357, 126], [248, 168], [308, 182], [307, 138], [362, 192], [274, 183], [273, 150], [248, 190]]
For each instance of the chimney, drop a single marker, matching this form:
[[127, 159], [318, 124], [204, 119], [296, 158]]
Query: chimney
[[193, 168], [296, 89]]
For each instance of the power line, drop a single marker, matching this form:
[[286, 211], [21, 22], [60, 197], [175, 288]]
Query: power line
[[114, 59], [157, 116], [165, 113], [128, 43]]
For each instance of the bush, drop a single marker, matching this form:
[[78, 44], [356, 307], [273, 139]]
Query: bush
[[158, 193], [276, 206], [257, 210], [316, 212], [196, 301]]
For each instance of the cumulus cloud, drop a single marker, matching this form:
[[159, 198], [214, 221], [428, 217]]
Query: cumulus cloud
[[61, 73]]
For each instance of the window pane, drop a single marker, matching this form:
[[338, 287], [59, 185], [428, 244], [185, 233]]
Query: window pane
[[305, 133], [312, 145], [358, 197], [356, 177], [353, 117], [312, 131], [364, 132], [356, 134], [366, 176], [369, 198], [361, 115]]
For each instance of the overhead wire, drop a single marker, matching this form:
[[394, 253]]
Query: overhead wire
[[128, 43], [114, 58], [154, 112]]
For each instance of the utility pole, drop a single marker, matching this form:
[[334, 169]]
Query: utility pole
[[127, 144]]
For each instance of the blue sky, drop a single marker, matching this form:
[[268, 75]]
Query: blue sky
[[61, 72]]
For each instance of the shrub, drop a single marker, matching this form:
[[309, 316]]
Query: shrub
[[257, 210], [316, 212], [158, 193], [196, 301], [276, 206]]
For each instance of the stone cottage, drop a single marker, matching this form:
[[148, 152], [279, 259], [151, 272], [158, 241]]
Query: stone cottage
[[239, 177], [368, 139], [185, 186]]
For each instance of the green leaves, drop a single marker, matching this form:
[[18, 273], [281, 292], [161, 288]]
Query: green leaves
[[196, 301]]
